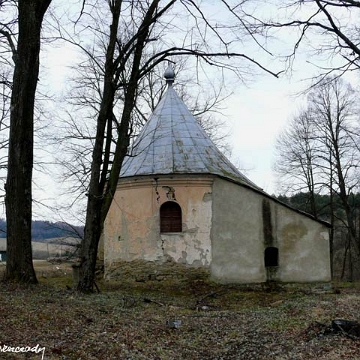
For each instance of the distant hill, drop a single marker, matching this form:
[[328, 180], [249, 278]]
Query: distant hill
[[43, 230]]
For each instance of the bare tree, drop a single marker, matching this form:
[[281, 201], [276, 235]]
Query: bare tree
[[8, 36], [334, 110], [76, 136], [326, 28], [134, 27], [18, 199], [297, 161], [321, 150], [102, 185]]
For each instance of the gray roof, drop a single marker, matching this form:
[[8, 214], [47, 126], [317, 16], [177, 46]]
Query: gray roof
[[173, 142]]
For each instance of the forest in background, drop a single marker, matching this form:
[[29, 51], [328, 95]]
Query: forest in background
[[302, 201]]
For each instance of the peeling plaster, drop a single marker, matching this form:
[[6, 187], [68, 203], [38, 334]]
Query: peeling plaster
[[225, 227], [207, 197], [137, 222]]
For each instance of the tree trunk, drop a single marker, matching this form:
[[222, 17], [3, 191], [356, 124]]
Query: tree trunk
[[344, 198], [19, 266], [100, 193], [93, 224], [332, 221]]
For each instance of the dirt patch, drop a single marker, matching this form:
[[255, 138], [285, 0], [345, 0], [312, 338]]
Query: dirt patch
[[132, 319]]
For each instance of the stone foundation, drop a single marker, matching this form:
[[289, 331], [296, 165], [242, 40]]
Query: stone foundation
[[143, 271]]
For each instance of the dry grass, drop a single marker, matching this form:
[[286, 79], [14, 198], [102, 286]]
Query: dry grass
[[128, 320]]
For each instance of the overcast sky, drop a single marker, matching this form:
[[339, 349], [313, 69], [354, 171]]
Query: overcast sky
[[256, 114]]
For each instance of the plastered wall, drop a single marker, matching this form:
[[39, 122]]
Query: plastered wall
[[226, 227], [246, 222], [132, 227], [304, 252]]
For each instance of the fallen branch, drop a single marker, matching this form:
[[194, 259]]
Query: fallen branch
[[212, 294], [147, 300], [346, 327]]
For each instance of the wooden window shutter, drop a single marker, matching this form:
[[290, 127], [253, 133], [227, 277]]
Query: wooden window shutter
[[170, 217]]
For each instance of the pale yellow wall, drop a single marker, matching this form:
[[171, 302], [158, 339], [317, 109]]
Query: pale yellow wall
[[132, 227], [238, 241]]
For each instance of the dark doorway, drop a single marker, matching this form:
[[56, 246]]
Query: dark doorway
[[271, 256]]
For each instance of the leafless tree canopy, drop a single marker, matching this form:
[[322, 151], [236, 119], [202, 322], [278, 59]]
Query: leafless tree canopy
[[318, 153], [326, 29], [310, 144], [123, 44]]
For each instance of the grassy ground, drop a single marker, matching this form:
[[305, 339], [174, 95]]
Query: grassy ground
[[132, 319]]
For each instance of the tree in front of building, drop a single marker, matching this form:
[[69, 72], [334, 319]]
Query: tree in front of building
[[134, 43], [18, 200]]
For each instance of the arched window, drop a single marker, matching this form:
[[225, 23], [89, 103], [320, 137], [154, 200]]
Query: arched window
[[271, 256], [170, 217]]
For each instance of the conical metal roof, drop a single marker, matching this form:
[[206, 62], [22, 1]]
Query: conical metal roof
[[173, 142]]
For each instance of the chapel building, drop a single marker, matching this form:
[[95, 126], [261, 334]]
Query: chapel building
[[180, 199]]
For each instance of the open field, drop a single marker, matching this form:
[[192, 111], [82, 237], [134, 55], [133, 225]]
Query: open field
[[51, 248], [130, 319]]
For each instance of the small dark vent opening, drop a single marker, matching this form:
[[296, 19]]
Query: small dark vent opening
[[271, 256]]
